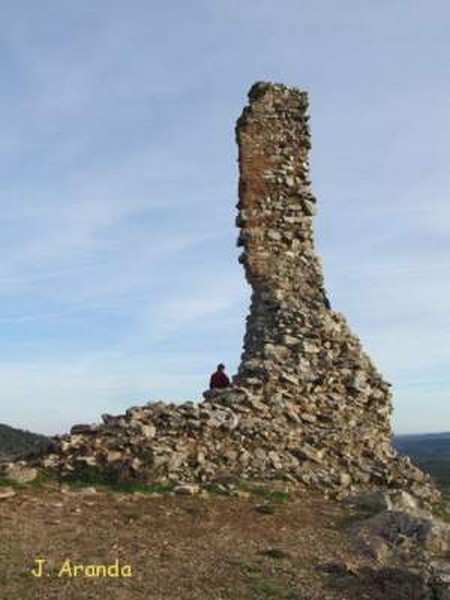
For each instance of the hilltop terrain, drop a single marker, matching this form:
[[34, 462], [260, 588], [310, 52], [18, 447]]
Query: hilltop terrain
[[241, 541], [260, 543]]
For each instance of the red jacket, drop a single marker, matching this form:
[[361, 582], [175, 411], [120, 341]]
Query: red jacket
[[218, 380]]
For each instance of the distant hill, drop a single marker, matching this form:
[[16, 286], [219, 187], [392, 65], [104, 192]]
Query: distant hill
[[16, 443], [430, 452]]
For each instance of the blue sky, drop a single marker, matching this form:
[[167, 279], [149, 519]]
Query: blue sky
[[119, 280]]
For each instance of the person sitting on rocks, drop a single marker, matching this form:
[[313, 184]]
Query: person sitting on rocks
[[219, 379]]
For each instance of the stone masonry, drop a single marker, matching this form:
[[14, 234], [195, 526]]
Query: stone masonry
[[307, 404], [296, 348]]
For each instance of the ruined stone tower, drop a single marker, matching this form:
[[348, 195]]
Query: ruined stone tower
[[296, 349], [295, 346], [307, 404]]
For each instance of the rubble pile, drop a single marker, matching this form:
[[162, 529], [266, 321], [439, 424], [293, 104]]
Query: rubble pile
[[231, 434], [307, 403]]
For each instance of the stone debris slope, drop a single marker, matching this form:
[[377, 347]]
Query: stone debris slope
[[230, 434]]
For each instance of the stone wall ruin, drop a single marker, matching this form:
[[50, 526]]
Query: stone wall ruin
[[307, 404]]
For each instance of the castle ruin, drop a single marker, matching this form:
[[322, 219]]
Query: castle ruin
[[307, 404]]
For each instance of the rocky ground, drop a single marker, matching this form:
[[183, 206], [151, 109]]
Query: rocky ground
[[259, 542]]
